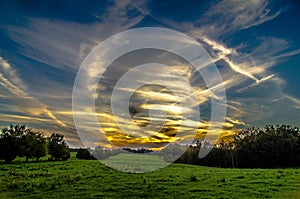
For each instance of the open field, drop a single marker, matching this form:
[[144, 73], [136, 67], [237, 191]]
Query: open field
[[91, 179]]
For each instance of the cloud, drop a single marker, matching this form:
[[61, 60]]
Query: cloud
[[241, 65], [250, 60], [264, 104], [10, 73], [262, 57], [294, 100], [228, 16], [288, 54], [64, 44], [236, 121], [28, 104], [225, 17]]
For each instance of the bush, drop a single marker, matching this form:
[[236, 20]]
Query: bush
[[84, 154]]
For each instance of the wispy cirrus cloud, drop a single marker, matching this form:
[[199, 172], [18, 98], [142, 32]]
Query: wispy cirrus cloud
[[228, 16], [28, 104], [64, 44], [250, 60]]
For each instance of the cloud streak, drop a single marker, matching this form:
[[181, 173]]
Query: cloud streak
[[228, 16], [28, 104]]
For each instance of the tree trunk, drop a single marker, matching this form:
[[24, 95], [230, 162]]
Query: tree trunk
[[232, 159]]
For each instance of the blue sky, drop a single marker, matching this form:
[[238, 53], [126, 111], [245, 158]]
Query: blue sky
[[255, 44]]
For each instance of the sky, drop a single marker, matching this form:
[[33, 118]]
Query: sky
[[255, 45]]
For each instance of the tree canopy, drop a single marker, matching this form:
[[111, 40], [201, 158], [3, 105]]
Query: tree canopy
[[57, 147], [17, 140], [270, 147]]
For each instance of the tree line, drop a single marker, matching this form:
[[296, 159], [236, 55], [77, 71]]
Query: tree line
[[270, 147], [19, 141], [98, 153]]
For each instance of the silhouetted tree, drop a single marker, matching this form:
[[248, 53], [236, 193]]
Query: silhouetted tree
[[269, 147], [9, 142], [41, 149], [57, 147], [252, 148], [32, 144], [17, 140], [84, 154]]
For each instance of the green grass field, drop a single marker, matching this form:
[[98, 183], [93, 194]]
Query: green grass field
[[91, 179]]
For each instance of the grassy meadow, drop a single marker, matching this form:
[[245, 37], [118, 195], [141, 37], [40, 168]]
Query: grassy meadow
[[91, 179]]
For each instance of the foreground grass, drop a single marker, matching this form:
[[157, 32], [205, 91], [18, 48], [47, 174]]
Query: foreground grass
[[91, 179]]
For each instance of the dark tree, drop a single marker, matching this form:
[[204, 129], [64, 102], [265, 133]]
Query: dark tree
[[41, 149], [57, 147], [32, 145], [9, 142], [269, 147], [27, 145], [84, 154]]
